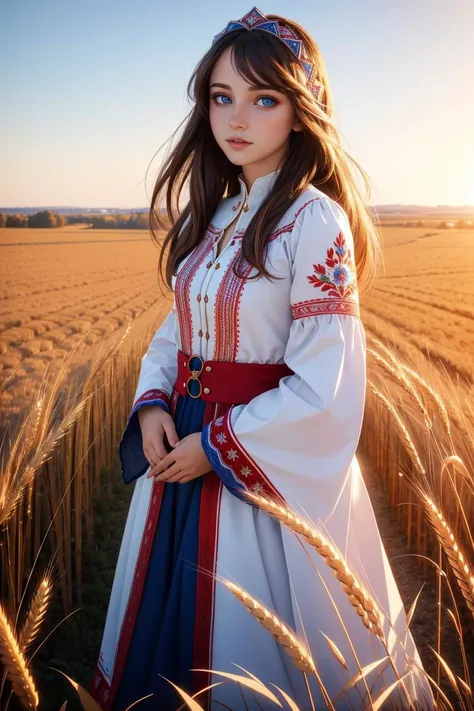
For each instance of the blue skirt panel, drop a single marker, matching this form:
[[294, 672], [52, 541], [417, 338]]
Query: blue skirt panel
[[163, 637]]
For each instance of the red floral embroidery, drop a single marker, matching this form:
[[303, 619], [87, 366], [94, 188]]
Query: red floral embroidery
[[340, 278]]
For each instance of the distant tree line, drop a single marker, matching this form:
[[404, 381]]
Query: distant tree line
[[457, 224], [444, 224], [47, 218]]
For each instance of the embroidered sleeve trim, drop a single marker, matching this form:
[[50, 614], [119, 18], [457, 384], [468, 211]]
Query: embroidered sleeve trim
[[317, 307], [152, 397], [231, 462]]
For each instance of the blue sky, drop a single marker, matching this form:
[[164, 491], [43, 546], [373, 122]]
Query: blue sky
[[92, 89]]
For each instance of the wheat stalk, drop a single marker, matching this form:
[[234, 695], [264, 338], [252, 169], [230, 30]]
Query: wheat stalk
[[358, 596], [455, 556], [407, 440], [15, 665], [15, 483], [407, 385], [432, 394], [35, 615], [292, 645]]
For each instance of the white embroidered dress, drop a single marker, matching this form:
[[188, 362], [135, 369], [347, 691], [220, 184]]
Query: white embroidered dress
[[297, 440]]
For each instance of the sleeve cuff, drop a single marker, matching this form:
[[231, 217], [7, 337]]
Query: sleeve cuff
[[231, 462], [153, 397], [132, 458]]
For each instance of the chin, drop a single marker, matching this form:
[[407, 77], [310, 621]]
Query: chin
[[237, 158], [237, 161]]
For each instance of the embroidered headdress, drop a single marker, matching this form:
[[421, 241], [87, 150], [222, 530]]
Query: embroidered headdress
[[255, 19]]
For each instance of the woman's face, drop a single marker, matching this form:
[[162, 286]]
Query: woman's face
[[264, 117]]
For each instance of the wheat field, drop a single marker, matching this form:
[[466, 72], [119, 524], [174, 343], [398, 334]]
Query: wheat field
[[74, 285], [65, 287], [424, 301], [80, 289]]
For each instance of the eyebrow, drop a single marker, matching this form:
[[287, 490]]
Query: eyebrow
[[253, 87]]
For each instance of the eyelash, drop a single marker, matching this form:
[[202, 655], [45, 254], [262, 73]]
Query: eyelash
[[264, 96]]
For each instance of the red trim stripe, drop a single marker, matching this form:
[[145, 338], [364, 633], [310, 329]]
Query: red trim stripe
[[206, 582], [152, 395], [246, 470], [182, 287], [101, 691]]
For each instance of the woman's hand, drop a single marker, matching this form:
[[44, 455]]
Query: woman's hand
[[154, 424], [187, 462]]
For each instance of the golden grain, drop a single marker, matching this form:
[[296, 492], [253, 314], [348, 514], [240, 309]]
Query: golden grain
[[359, 597], [405, 436], [35, 615], [292, 645], [397, 372], [15, 665], [456, 557]]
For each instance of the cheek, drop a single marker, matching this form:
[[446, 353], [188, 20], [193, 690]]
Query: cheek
[[214, 118], [278, 124]]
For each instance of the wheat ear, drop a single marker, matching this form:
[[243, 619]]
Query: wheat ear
[[358, 596], [407, 385], [15, 665], [407, 440], [292, 645], [433, 395], [456, 558], [35, 615]]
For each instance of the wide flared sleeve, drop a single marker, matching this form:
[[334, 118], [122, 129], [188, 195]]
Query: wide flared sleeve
[[298, 439], [155, 385]]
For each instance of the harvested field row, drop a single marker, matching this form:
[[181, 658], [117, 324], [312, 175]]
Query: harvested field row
[[57, 296]]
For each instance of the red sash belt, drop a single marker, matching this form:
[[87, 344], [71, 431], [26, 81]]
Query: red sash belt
[[232, 383]]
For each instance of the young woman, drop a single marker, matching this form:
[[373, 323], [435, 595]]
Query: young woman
[[256, 382]]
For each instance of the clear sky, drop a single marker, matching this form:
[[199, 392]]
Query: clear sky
[[91, 89]]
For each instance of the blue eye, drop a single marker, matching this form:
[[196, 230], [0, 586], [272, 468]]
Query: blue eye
[[226, 100], [215, 97], [268, 98]]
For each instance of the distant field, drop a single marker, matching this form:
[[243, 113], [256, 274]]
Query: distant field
[[425, 299], [57, 284]]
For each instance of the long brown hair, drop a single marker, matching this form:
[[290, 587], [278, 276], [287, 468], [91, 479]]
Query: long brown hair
[[315, 155]]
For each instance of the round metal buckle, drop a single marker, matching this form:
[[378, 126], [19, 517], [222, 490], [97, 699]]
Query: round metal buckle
[[194, 386]]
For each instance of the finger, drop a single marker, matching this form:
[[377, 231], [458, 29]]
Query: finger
[[169, 473], [176, 479], [151, 456], [159, 468], [158, 444], [171, 433], [185, 479], [166, 462]]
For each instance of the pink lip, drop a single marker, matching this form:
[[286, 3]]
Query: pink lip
[[238, 145]]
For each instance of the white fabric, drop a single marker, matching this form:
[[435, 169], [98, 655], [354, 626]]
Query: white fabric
[[159, 364]]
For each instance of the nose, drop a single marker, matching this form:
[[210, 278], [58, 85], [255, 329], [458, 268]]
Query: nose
[[238, 120]]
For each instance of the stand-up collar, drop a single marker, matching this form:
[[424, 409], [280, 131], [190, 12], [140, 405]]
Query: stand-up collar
[[246, 202], [260, 188]]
